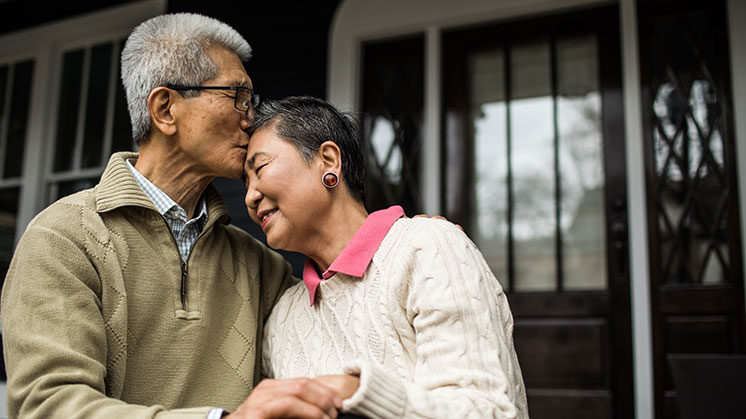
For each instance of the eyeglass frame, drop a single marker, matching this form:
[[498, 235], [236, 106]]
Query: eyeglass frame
[[253, 97]]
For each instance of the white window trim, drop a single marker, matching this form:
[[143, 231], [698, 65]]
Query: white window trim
[[737, 36], [642, 341], [44, 44]]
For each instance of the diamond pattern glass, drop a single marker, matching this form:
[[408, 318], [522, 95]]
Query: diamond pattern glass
[[692, 191], [392, 105]]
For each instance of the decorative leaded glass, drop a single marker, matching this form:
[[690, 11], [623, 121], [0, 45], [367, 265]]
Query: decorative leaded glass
[[693, 189], [392, 106]]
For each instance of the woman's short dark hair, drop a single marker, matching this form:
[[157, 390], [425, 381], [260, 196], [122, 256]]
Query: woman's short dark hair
[[307, 122]]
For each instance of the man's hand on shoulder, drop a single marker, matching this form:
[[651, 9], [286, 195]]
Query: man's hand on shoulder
[[294, 398], [438, 217]]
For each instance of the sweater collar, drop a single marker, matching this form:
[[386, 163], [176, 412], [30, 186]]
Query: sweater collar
[[358, 253], [118, 188]]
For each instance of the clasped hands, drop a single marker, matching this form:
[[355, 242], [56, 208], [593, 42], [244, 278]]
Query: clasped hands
[[312, 398]]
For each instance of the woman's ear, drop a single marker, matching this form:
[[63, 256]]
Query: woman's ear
[[331, 157], [160, 107]]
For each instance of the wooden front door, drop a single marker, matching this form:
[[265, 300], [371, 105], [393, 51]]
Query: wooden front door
[[535, 171]]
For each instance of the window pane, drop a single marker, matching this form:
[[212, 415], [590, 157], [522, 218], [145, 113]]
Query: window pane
[[392, 107], [122, 135], [98, 97], [8, 216], [582, 218], [67, 115], [489, 124], [3, 87], [532, 162], [19, 111], [72, 186]]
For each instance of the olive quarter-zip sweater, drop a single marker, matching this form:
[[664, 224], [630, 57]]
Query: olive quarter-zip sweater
[[94, 323]]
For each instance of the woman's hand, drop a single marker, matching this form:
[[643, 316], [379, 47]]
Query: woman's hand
[[345, 385]]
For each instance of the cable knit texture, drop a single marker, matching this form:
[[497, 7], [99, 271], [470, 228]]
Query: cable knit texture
[[92, 314], [428, 329]]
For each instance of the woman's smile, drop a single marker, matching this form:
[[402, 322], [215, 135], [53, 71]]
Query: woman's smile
[[266, 216]]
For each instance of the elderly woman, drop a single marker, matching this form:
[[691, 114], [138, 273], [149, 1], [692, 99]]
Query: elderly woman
[[408, 305]]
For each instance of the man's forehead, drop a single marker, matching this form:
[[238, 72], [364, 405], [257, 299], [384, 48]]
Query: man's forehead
[[231, 68]]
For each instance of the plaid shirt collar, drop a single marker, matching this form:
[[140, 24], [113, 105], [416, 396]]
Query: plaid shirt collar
[[165, 205]]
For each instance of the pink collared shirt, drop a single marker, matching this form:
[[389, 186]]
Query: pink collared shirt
[[358, 253]]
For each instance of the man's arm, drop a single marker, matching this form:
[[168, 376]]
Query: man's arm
[[55, 335], [56, 345]]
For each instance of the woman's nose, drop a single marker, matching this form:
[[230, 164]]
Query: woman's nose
[[253, 196]]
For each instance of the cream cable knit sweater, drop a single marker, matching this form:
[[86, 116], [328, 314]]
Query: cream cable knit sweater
[[428, 328]]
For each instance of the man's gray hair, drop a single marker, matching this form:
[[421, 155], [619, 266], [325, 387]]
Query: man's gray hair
[[171, 49]]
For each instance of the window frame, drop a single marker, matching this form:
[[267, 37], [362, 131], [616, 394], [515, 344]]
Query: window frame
[[45, 45]]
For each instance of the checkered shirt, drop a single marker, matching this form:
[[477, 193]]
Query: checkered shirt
[[185, 231]]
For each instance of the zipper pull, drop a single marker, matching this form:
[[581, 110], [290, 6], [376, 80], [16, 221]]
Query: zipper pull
[[183, 284]]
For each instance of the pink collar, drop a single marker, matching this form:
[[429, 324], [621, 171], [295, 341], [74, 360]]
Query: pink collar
[[358, 253]]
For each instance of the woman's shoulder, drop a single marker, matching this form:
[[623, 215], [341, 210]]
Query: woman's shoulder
[[409, 237], [424, 230]]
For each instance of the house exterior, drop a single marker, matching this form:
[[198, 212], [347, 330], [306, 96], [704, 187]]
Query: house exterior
[[594, 150]]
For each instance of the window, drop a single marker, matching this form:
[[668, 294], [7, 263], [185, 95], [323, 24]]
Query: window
[[392, 122], [15, 91], [537, 152], [92, 119]]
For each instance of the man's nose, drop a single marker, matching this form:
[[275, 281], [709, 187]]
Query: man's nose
[[246, 121]]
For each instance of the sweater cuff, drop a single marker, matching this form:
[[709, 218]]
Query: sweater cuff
[[379, 394]]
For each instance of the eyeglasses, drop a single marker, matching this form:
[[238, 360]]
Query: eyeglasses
[[244, 99]]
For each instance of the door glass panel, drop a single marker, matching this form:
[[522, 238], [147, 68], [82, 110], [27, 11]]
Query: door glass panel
[[580, 155], [532, 162], [535, 111], [96, 105], [18, 122], [489, 124], [67, 115], [689, 163], [391, 120]]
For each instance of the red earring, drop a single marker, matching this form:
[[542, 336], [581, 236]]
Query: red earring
[[330, 180]]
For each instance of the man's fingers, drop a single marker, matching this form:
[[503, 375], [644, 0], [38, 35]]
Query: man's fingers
[[299, 397], [322, 395], [438, 217], [293, 407]]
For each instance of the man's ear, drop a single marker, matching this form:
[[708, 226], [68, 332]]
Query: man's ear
[[160, 104], [331, 157]]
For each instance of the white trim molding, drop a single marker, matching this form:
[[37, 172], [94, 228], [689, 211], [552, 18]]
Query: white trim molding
[[642, 348], [736, 11]]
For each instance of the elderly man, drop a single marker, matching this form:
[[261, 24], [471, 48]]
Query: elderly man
[[137, 299]]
